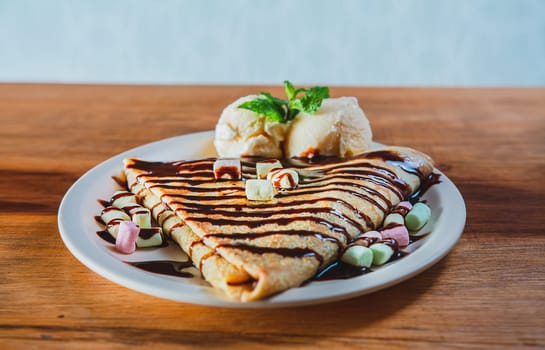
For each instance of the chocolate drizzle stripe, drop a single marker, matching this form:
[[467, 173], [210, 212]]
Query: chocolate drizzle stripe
[[252, 236], [277, 221], [247, 216], [204, 207], [404, 163], [398, 186], [286, 252], [153, 207], [194, 167], [323, 190], [203, 198], [165, 267], [357, 162], [121, 195], [156, 168], [108, 209], [199, 189]]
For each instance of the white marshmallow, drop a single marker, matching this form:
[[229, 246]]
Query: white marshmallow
[[283, 178], [259, 190], [263, 168], [227, 169]]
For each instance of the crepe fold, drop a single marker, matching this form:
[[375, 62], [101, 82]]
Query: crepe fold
[[251, 250]]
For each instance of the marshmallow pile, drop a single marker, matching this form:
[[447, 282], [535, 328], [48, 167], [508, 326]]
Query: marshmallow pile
[[378, 247], [271, 177], [130, 223]]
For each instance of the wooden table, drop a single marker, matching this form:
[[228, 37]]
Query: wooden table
[[489, 292]]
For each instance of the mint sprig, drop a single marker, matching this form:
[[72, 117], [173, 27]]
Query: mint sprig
[[282, 111]]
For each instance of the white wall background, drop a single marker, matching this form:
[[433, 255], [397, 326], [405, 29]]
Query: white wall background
[[351, 42]]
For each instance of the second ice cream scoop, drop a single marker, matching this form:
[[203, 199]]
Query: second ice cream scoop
[[338, 128]]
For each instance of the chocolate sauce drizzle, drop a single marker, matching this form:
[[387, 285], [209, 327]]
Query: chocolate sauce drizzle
[[165, 267], [191, 188]]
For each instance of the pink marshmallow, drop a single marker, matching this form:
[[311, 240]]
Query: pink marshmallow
[[126, 237], [399, 233], [405, 204], [402, 208]]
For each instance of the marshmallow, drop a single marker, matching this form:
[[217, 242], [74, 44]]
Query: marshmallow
[[418, 216], [227, 169], [399, 233], [404, 205], [263, 168], [394, 218], [358, 255], [283, 178], [110, 215], [367, 238], [259, 190], [121, 199], [127, 234], [139, 215], [381, 253], [113, 228], [149, 237]]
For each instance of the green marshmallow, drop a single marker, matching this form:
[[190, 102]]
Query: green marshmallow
[[141, 216], [121, 199], [417, 217], [114, 229], [110, 214], [149, 237], [381, 253], [358, 255]]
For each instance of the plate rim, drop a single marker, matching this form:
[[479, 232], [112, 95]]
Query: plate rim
[[123, 274]]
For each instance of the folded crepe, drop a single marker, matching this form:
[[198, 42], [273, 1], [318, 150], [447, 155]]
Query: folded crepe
[[250, 249]]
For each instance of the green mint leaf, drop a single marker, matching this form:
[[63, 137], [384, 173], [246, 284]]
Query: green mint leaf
[[313, 98], [282, 111], [291, 92], [273, 99], [267, 108]]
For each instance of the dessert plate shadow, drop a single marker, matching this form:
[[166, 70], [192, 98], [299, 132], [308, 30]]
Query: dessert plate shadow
[[78, 229]]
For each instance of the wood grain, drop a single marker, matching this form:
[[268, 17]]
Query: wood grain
[[489, 292]]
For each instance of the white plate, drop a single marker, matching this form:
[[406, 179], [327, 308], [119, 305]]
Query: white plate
[[78, 230]]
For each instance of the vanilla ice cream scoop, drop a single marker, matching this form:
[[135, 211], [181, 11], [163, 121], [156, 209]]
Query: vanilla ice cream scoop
[[241, 132], [338, 128]]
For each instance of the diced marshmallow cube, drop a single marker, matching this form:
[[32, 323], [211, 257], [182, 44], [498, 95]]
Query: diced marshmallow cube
[[149, 237], [418, 216], [358, 255], [123, 198], [227, 169], [284, 178], [394, 219], [125, 241], [399, 233], [264, 167], [404, 205], [381, 253], [259, 190], [140, 215], [111, 214]]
